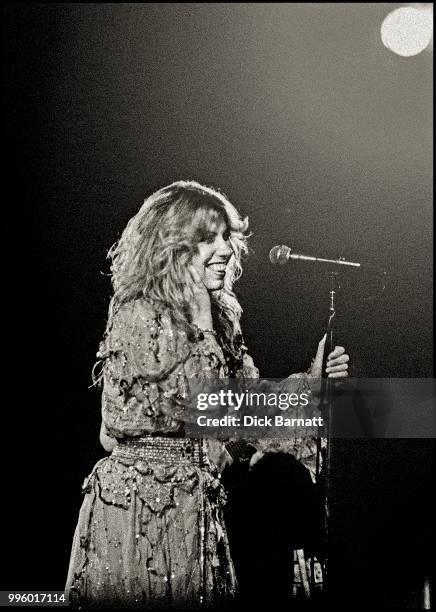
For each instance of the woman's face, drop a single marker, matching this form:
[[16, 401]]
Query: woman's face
[[213, 255]]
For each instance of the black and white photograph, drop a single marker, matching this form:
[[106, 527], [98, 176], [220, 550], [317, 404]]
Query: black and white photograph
[[220, 279]]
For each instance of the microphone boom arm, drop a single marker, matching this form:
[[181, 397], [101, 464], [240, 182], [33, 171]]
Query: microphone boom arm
[[341, 262]]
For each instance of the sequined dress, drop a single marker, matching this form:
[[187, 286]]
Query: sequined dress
[[150, 530]]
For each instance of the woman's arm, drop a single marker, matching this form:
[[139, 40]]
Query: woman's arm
[[144, 371]]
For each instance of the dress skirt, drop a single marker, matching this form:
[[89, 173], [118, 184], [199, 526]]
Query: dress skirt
[[151, 531]]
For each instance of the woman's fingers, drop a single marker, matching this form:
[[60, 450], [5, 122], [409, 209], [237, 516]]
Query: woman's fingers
[[197, 285], [338, 361], [195, 275], [337, 352], [199, 288], [199, 300], [342, 367], [338, 375]]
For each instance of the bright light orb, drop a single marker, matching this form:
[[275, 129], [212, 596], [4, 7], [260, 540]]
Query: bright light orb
[[407, 31]]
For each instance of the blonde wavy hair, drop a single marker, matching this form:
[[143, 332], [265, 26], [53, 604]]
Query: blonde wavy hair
[[151, 257]]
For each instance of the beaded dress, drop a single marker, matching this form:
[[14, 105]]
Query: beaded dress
[[150, 531]]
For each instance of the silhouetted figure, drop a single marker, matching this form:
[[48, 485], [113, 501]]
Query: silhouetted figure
[[273, 508]]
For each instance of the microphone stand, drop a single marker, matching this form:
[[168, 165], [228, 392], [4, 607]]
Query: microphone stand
[[326, 404], [282, 254]]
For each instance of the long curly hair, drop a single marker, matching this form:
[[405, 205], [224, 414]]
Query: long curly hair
[[151, 257]]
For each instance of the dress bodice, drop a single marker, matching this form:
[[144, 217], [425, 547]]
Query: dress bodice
[[146, 363]]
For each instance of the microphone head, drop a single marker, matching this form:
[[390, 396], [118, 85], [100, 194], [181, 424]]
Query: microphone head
[[279, 254]]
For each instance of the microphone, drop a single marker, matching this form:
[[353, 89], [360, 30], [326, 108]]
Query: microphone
[[282, 254]]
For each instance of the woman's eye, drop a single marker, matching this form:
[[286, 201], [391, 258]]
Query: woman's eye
[[206, 237], [211, 236]]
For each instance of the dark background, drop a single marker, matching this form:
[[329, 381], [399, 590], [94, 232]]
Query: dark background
[[312, 128]]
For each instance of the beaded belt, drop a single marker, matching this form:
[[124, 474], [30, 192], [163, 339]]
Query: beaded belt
[[161, 449]]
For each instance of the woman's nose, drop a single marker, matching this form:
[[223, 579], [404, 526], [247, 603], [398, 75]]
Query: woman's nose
[[224, 248]]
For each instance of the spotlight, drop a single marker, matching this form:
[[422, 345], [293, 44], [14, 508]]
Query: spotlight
[[408, 30]]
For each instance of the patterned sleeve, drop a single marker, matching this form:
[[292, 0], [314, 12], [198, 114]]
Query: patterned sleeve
[[143, 372], [304, 450]]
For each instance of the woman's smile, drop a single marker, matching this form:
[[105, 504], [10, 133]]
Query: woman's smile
[[218, 267]]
